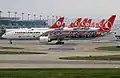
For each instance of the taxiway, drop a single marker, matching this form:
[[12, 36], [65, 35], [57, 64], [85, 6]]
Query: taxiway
[[50, 60]]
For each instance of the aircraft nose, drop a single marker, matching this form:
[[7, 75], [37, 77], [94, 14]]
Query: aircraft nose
[[4, 36]]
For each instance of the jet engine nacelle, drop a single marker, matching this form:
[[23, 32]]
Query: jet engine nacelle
[[118, 37], [44, 39]]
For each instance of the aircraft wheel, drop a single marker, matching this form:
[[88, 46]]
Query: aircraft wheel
[[10, 41], [62, 42], [118, 37], [57, 42]]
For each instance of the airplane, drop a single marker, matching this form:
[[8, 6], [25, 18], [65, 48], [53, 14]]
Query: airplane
[[51, 27], [103, 27], [85, 24], [60, 35], [31, 33], [28, 34], [34, 33]]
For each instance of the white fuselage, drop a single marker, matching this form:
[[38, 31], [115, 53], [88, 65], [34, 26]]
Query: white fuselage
[[32, 33], [91, 28], [8, 30]]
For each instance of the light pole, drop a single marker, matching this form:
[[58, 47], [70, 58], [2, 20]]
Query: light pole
[[48, 20], [56, 17], [22, 15], [0, 13], [53, 19], [28, 16], [47, 17], [15, 15], [34, 16], [9, 13], [40, 17]]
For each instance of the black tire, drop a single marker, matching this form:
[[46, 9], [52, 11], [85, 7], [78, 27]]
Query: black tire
[[62, 42], [56, 42]]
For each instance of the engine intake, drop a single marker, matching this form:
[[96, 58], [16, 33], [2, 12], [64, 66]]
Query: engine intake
[[44, 39]]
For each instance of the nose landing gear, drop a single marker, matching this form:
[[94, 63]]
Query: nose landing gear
[[10, 41]]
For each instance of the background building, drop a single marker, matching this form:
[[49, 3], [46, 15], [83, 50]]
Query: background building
[[15, 22]]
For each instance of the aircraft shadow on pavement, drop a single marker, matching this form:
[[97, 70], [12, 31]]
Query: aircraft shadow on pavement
[[69, 44], [61, 49]]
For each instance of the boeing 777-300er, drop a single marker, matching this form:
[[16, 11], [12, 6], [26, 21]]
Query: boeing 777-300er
[[103, 27], [100, 27], [60, 35], [32, 33], [85, 24], [45, 28], [35, 33]]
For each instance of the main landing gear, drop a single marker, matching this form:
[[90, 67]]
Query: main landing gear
[[59, 42]]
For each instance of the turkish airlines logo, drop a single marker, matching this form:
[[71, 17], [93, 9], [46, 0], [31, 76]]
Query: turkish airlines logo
[[58, 23], [82, 23], [108, 25], [76, 23], [87, 24]]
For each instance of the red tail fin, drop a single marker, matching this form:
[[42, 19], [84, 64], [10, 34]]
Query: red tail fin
[[82, 23], [100, 26], [102, 22], [75, 24], [59, 23], [63, 25], [109, 23], [97, 25], [71, 25], [88, 22]]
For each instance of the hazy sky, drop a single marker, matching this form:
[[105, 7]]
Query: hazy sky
[[69, 8]]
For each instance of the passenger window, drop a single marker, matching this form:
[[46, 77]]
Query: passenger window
[[19, 36]]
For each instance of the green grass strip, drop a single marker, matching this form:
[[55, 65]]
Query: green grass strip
[[109, 48], [21, 52], [60, 73], [11, 48], [106, 57]]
